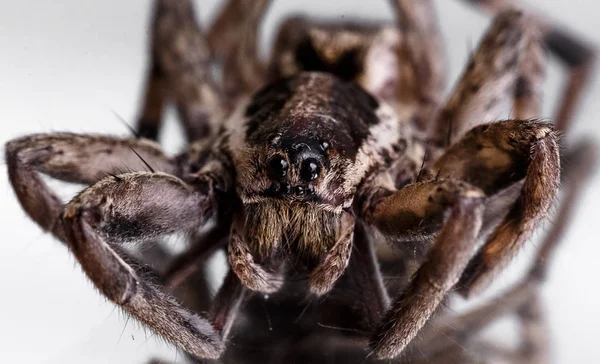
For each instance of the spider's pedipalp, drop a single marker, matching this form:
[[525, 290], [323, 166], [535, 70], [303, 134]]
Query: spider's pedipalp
[[337, 258]]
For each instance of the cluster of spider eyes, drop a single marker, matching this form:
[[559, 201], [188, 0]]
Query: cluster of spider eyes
[[310, 168]]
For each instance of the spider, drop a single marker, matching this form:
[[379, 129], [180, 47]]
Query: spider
[[342, 142]]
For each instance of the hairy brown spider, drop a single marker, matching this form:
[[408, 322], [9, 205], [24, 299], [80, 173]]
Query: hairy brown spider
[[344, 141]]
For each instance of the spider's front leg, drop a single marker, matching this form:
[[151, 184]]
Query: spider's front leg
[[73, 158], [417, 210], [119, 209], [136, 207], [491, 158]]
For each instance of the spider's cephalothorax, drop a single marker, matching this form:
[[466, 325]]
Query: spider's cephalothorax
[[301, 149], [320, 164]]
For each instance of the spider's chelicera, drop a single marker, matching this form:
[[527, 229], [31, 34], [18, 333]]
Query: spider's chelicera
[[309, 168]]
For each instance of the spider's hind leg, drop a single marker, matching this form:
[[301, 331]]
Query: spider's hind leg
[[422, 60], [234, 41], [179, 70], [577, 55], [508, 66]]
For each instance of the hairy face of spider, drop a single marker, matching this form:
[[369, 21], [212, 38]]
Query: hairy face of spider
[[308, 142]]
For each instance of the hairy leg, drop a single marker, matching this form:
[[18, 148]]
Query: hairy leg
[[137, 207], [227, 303], [493, 157], [117, 209], [577, 55], [507, 66], [422, 59], [234, 40], [73, 158], [579, 165], [364, 277], [180, 71], [417, 210]]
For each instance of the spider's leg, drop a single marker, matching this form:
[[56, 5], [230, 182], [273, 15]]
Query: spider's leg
[[234, 40], [510, 48], [188, 262], [446, 335], [581, 163], [136, 207], [116, 209], [415, 211], [73, 158], [422, 63], [574, 52], [227, 303], [578, 166], [493, 157], [364, 277], [179, 70]]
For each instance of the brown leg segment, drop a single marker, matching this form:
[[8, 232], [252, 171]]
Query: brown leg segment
[[422, 58], [423, 206], [577, 55], [491, 79], [364, 276], [448, 332], [492, 157], [73, 158], [138, 207], [227, 304], [180, 71], [233, 39], [580, 164]]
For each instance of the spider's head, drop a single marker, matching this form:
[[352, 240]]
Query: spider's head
[[305, 145], [302, 142]]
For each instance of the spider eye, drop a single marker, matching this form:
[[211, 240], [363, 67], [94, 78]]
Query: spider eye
[[277, 168], [309, 171]]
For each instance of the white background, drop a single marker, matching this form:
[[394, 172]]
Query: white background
[[68, 65]]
